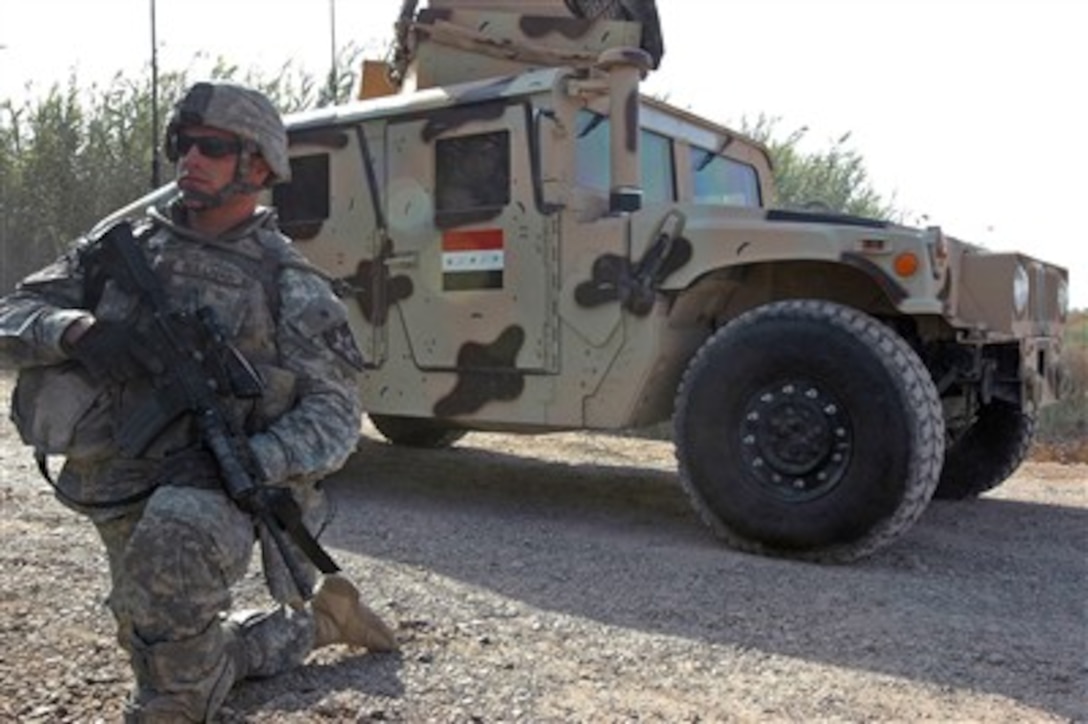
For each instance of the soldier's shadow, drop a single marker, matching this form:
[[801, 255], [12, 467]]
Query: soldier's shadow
[[313, 686]]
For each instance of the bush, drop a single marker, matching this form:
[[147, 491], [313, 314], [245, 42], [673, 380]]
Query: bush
[[1063, 427]]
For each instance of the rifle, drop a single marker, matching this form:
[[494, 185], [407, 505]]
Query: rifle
[[191, 388]]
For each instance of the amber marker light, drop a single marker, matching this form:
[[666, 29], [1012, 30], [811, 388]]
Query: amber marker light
[[906, 264]]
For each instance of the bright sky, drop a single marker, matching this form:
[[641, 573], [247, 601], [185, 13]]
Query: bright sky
[[968, 112]]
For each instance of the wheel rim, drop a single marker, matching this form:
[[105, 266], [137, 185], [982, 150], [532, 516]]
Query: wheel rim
[[796, 439]]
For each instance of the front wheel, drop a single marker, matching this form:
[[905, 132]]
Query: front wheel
[[416, 431], [987, 453], [810, 430]]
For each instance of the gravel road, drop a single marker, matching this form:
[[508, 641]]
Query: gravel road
[[563, 578]]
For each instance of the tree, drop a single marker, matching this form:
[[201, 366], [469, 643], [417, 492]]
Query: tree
[[73, 155], [834, 179]]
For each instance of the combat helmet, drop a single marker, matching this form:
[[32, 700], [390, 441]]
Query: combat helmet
[[245, 112]]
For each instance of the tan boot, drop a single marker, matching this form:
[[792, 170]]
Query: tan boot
[[341, 617]]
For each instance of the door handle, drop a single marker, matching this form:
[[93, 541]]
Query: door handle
[[402, 259]]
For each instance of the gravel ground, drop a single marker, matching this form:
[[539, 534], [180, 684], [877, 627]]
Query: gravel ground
[[563, 578]]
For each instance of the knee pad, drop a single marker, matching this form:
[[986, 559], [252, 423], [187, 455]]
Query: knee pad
[[175, 574]]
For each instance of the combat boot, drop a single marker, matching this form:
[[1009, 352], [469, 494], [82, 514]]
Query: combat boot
[[341, 617]]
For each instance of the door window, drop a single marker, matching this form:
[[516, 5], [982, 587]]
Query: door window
[[655, 159], [472, 173]]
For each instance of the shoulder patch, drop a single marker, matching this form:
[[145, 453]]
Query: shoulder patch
[[342, 342]]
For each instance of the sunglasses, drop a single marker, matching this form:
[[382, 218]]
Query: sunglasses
[[209, 146]]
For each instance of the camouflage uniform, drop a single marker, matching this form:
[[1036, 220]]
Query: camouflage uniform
[[175, 542]]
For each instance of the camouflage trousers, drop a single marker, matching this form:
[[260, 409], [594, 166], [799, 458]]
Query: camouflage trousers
[[172, 564]]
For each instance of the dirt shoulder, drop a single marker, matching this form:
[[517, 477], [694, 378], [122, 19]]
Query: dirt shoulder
[[564, 578]]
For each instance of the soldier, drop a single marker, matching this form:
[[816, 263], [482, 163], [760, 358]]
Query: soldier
[[175, 541]]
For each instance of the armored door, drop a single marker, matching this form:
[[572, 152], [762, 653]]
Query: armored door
[[467, 232]]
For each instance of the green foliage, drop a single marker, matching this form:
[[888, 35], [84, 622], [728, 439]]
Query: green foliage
[[1076, 329], [834, 179], [1067, 420], [74, 154]]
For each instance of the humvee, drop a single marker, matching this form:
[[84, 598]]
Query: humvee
[[528, 244]]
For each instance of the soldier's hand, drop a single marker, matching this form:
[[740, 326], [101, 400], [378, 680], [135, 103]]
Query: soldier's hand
[[114, 351]]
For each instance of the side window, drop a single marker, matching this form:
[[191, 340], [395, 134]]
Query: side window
[[723, 181], [472, 173], [591, 151], [658, 177], [591, 159], [303, 204]]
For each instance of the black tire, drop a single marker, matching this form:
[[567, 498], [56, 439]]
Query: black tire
[[416, 431], [807, 429], [987, 453]]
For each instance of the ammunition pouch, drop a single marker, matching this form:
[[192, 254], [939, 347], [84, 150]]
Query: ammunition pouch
[[119, 483], [60, 410]]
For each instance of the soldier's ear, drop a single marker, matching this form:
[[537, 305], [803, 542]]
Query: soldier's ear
[[259, 170]]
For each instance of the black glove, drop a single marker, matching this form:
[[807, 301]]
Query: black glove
[[114, 351], [274, 499]]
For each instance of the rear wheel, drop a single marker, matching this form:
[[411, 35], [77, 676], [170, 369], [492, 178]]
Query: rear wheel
[[809, 430], [987, 453], [416, 431]]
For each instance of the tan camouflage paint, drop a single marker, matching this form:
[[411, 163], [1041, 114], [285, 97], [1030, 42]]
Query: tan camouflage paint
[[568, 340]]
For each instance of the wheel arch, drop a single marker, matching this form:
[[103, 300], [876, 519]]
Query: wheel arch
[[714, 298]]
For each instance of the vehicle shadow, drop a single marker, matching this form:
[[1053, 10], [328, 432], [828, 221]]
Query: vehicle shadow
[[949, 604]]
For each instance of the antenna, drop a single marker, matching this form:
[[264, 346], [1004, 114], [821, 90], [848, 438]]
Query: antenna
[[155, 170], [333, 81]]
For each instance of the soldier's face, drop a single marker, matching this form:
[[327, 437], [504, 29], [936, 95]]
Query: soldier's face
[[207, 159]]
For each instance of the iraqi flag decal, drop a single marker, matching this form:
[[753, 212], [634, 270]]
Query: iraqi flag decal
[[472, 259]]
